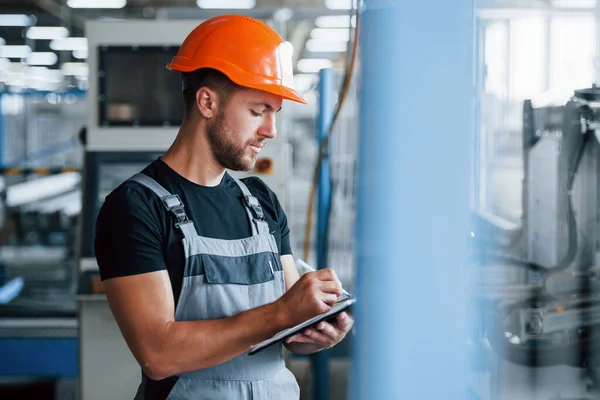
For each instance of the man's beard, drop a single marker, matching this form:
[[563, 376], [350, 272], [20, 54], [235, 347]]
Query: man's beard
[[226, 153]]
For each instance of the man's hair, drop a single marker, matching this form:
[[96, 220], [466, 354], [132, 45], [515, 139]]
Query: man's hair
[[206, 77]]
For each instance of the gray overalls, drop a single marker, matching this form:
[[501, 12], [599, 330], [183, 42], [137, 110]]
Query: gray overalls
[[223, 278]]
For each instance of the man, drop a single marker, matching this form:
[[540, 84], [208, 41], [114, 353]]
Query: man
[[197, 265]]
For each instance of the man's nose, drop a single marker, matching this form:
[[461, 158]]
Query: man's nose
[[269, 128]]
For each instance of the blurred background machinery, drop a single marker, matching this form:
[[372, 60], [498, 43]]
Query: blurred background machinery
[[538, 282], [70, 133], [40, 158], [535, 233]]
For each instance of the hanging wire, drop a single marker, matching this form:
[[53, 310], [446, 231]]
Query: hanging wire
[[324, 147]]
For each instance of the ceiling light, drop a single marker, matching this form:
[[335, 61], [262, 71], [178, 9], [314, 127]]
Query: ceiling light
[[80, 54], [47, 32], [44, 58], [335, 21], [16, 20], [75, 69], [574, 3], [226, 3], [69, 44], [14, 51], [335, 34], [313, 65], [283, 14], [96, 3], [44, 86], [303, 82], [16, 79], [340, 4], [4, 64], [316, 45], [45, 74]]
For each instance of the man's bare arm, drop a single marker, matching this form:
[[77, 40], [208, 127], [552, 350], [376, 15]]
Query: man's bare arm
[[143, 307]]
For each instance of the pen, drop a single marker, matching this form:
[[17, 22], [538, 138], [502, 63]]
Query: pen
[[311, 269]]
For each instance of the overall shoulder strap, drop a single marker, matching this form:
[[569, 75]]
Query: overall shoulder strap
[[253, 209], [172, 203]]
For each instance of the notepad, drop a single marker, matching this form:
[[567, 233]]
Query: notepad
[[343, 303]]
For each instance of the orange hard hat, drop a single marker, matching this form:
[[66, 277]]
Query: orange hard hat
[[246, 50]]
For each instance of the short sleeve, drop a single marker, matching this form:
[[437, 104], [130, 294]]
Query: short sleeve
[[286, 247], [128, 237]]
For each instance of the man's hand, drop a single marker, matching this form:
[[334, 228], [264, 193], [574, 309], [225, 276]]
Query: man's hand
[[323, 336], [313, 294]]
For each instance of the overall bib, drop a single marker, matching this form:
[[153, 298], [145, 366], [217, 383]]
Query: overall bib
[[221, 279]]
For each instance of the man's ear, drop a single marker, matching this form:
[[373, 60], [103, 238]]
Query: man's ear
[[207, 102]]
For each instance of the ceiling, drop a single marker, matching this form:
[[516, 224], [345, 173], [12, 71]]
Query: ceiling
[[296, 25]]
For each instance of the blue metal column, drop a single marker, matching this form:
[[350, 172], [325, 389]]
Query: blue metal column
[[320, 360], [413, 194], [1, 133]]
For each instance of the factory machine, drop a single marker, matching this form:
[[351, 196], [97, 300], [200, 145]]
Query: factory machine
[[40, 201], [538, 284], [135, 108]]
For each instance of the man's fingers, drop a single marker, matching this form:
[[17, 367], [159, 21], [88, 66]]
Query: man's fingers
[[291, 339], [329, 330], [318, 337], [327, 274], [328, 299], [333, 287], [299, 339], [344, 322]]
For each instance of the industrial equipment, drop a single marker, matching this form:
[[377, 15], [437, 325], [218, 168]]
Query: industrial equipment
[[538, 284], [135, 108], [39, 208]]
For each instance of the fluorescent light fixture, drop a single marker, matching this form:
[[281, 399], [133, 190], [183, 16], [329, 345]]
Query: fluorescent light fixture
[[4, 64], [322, 46], [333, 34], [44, 86], [340, 4], [16, 80], [17, 67], [313, 65], [36, 72], [47, 32], [303, 82], [14, 51], [16, 20], [96, 3], [44, 74], [80, 54], [226, 3], [283, 14], [335, 21], [574, 3], [69, 44], [42, 58], [75, 69], [53, 75]]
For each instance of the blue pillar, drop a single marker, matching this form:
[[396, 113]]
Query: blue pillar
[[1, 132], [416, 100], [320, 361]]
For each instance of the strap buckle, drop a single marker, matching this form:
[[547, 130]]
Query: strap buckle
[[174, 204], [254, 205]]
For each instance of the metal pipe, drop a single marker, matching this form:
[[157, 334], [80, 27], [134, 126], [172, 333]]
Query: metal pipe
[[41, 188], [416, 100]]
